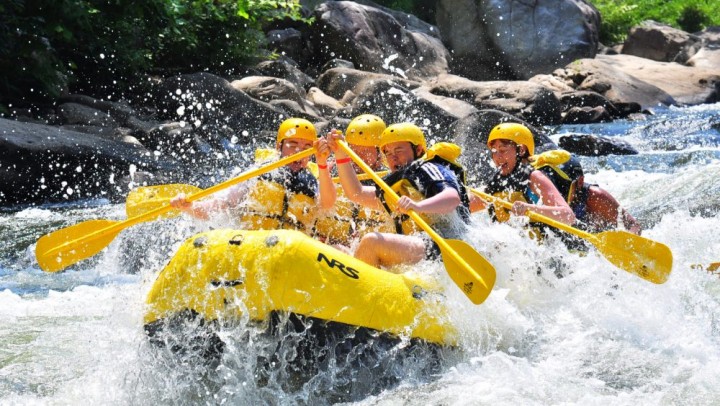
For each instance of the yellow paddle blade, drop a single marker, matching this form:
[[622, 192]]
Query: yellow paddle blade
[[713, 267], [144, 199], [643, 257], [64, 247], [61, 248], [476, 285]]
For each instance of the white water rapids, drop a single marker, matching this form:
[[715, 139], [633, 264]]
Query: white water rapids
[[595, 335]]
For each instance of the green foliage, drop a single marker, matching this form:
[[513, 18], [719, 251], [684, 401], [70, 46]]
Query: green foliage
[[103, 45], [619, 16], [692, 19]]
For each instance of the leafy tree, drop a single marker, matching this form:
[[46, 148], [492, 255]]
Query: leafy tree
[[619, 16], [102, 46]]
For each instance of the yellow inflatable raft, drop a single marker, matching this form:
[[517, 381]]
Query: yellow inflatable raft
[[224, 275]]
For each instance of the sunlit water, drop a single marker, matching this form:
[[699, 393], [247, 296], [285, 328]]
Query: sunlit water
[[592, 335]]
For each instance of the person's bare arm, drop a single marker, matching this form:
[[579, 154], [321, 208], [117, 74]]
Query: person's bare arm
[[443, 202], [204, 208], [476, 203], [553, 205], [604, 210], [328, 194], [354, 190], [630, 223]]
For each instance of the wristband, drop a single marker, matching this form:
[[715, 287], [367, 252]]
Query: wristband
[[343, 160], [322, 166]]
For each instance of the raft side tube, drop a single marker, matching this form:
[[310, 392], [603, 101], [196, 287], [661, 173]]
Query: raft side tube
[[230, 274]]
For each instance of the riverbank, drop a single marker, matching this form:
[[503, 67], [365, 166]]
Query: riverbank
[[190, 128]]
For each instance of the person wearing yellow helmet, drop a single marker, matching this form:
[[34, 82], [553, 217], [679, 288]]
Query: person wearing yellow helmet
[[363, 136], [284, 198], [512, 145], [349, 220], [426, 187], [595, 208]]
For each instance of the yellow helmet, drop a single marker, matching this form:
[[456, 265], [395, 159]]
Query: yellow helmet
[[365, 130], [296, 128], [403, 132], [515, 132]]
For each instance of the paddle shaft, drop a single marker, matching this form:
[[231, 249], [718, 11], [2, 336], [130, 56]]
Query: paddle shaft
[[643, 257], [389, 192], [115, 228], [538, 217]]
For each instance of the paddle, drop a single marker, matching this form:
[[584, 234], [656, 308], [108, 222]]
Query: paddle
[[145, 198], [470, 271], [713, 267], [641, 256], [64, 247]]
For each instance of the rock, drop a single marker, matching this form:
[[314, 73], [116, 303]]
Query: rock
[[586, 115], [378, 41], [120, 112], [450, 106], [526, 100], [47, 164], [395, 103], [286, 69], [509, 39], [603, 76], [213, 108], [705, 58], [659, 42], [554, 83], [594, 145], [686, 85], [337, 63], [74, 113], [337, 82], [582, 99], [268, 88], [289, 42], [295, 109], [326, 104]]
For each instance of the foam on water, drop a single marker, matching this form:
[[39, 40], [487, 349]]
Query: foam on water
[[559, 327]]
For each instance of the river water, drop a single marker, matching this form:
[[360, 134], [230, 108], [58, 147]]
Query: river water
[[558, 328]]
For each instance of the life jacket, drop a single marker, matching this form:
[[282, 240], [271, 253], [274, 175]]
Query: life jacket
[[512, 188], [349, 220], [281, 200], [403, 183], [561, 168]]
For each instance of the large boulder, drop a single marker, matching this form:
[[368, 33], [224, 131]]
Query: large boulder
[[595, 145], [511, 39], [42, 163], [527, 100], [337, 82], [659, 42], [395, 104], [215, 110], [603, 76], [377, 40], [286, 68], [686, 85], [705, 58]]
